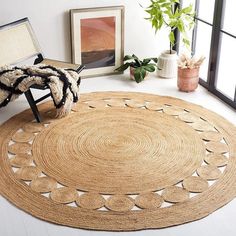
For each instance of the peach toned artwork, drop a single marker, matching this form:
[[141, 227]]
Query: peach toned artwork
[[98, 42]]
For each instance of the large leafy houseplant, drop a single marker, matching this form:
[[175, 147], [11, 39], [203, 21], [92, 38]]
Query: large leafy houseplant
[[138, 68], [164, 13]]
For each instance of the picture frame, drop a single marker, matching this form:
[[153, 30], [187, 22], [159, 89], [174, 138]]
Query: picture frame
[[97, 39]]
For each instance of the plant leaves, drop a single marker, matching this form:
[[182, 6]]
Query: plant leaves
[[143, 73], [146, 61], [186, 42], [155, 59], [138, 62], [139, 74], [123, 67], [172, 38], [134, 57], [163, 13], [187, 10], [150, 68], [128, 57]]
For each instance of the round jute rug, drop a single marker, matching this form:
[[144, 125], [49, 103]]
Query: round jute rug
[[120, 161]]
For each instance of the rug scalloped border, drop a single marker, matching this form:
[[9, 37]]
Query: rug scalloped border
[[195, 208]]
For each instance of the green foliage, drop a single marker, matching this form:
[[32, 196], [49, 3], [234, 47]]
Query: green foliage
[[163, 13], [141, 67]]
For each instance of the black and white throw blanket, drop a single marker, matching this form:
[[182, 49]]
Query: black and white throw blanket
[[63, 83]]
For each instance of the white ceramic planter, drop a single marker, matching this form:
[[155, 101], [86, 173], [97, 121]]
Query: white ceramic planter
[[167, 64]]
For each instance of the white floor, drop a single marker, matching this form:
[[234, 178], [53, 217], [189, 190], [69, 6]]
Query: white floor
[[14, 222]]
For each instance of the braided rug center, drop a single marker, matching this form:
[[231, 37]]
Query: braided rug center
[[118, 151]]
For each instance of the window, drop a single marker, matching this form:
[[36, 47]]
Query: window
[[226, 77], [203, 43], [215, 37]]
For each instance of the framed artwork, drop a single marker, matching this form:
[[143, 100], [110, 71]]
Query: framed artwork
[[98, 39]]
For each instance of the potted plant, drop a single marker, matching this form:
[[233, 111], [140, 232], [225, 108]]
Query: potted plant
[[164, 13], [188, 72], [138, 68]]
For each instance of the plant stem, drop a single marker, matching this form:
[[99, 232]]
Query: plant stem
[[170, 47]]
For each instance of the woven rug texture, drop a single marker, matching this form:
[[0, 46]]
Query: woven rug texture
[[119, 162]]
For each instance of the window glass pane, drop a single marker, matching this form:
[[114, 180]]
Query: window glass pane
[[206, 10], [230, 16], [226, 81], [203, 44]]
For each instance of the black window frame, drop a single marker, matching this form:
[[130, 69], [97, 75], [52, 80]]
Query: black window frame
[[215, 48]]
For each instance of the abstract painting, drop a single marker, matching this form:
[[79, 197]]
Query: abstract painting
[[98, 42], [97, 39]]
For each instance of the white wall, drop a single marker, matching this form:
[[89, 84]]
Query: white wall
[[50, 20]]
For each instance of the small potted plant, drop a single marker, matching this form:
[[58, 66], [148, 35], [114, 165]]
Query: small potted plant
[[138, 68], [188, 72], [164, 13]]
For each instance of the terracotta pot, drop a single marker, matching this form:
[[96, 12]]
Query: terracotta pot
[[188, 79], [132, 73]]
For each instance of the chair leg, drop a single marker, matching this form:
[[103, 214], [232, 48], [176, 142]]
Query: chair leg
[[33, 105]]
